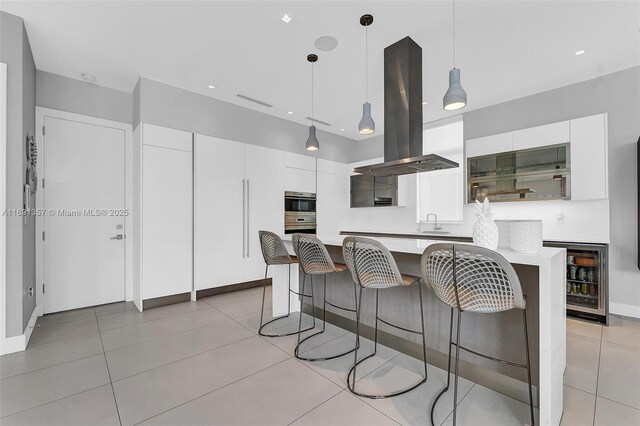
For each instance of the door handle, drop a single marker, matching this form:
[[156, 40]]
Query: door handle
[[118, 237]]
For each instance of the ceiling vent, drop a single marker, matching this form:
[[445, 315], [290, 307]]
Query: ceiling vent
[[315, 120], [255, 101]]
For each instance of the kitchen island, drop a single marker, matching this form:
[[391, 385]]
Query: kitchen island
[[542, 278]]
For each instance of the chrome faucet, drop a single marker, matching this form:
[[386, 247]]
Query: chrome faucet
[[436, 227]]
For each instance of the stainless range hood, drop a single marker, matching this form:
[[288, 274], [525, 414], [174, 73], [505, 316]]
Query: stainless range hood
[[403, 115]]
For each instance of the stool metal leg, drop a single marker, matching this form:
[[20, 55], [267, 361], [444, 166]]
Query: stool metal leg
[[262, 325], [446, 388], [526, 345], [455, 376], [351, 383]]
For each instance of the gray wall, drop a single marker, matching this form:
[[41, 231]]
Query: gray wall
[[80, 97], [618, 95], [16, 53], [176, 108]]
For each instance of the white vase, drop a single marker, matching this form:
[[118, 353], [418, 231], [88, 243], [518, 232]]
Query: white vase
[[526, 236], [485, 233]]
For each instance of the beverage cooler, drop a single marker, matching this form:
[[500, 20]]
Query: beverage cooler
[[587, 280]]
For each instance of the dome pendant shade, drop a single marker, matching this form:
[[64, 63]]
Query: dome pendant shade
[[456, 97], [367, 126], [312, 142]]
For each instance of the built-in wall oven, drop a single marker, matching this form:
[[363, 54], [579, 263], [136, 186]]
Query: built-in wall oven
[[299, 212]]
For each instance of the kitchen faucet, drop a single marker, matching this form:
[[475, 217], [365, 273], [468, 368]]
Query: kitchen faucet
[[435, 225]]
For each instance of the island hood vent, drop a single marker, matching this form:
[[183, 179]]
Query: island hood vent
[[403, 115]]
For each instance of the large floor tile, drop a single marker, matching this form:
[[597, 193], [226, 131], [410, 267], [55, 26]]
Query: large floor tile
[[135, 359], [288, 343], [241, 308], [583, 356], [336, 369], [93, 407], [39, 387], [278, 396], [153, 392], [344, 409], [114, 308], [413, 407], [121, 319], [48, 354], [66, 316], [610, 413], [51, 333], [149, 330], [579, 407], [588, 329], [619, 377], [623, 331], [482, 406]]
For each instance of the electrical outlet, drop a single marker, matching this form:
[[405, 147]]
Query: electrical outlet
[[560, 218], [30, 291]]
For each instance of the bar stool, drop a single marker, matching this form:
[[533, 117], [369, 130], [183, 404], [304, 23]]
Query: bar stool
[[315, 260], [275, 253], [372, 266], [474, 279]]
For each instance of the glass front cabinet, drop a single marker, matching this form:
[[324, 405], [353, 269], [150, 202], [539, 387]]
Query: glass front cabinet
[[528, 175]]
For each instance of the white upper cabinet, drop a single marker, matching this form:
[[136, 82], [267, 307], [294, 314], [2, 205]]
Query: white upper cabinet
[[488, 145], [300, 172], [219, 227], [589, 175], [332, 197], [550, 134], [167, 212]]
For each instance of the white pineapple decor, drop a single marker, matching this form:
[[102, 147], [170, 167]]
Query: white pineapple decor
[[485, 230]]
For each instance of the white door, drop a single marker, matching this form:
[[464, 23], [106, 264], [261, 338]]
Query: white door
[[83, 255], [220, 241], [265, 202]]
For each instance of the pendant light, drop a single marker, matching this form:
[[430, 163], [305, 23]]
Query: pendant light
[[367, 126], [312, 142], [456, 97]]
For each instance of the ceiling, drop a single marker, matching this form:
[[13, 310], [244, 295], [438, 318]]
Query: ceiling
[[505, 49]]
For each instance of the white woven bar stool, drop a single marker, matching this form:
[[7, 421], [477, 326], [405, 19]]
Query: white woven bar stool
[[474, 279], [373, 267]]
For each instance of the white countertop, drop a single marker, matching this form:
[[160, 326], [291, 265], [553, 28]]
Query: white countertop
[[417, 246]]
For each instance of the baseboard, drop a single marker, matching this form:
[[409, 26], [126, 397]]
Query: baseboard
[[19, 343], [208, 292], [624, 309], [165, 300]]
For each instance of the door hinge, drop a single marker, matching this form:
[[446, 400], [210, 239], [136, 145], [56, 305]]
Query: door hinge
[[42, 235], [42, 288], [43, 130]]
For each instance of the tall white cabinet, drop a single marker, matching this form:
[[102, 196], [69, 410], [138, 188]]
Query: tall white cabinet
[[166, 212], [238, 191]]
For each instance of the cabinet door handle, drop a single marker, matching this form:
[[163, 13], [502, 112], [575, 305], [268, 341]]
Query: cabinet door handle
[[248, 214], [244, 218]]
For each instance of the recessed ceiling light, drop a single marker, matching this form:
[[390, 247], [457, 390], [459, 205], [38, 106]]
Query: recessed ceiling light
[[579, 52], [290, 112], [424, 103], [88, 77], [286, 18], [342, 130], [211, 86]]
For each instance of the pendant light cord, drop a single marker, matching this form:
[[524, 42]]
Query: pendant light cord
[[366, 63], [312, 117], [454, 33]]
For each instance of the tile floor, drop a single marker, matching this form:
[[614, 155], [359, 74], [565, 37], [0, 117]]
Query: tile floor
[[203, 363]]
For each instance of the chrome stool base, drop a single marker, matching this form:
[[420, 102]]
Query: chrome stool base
[[351, 376], [296, 352], [302, 295]]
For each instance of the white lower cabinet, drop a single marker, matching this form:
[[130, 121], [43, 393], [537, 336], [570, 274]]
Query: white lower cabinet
[[238, 191], [166, 213]]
